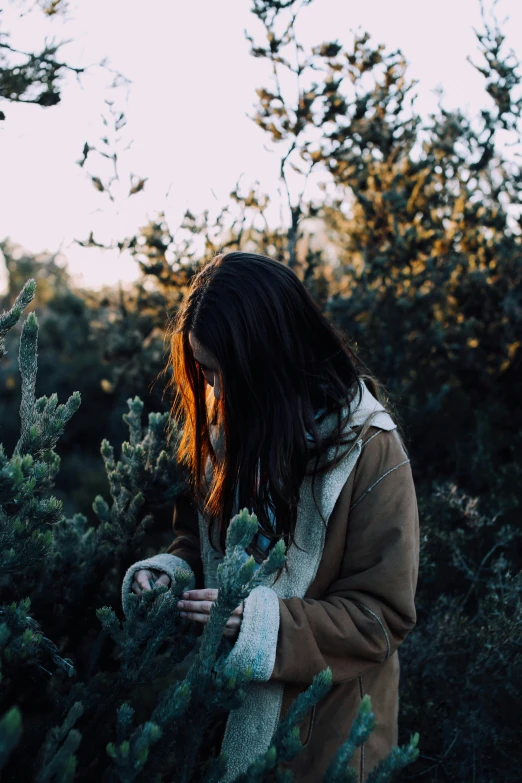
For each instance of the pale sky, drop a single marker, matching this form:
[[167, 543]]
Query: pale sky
[[193, 83]]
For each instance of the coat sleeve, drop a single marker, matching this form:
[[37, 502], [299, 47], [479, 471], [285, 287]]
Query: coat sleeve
[[369, 608], [184, 552]]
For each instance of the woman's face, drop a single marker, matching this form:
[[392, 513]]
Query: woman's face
[[207, 362]]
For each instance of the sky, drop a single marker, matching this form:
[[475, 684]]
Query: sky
[[192, 87]]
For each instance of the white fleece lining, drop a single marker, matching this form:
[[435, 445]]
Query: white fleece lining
[[256, 643], [162, 562]]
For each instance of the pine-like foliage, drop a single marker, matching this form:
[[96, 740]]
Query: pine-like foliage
[[416, 254], [67, 714]]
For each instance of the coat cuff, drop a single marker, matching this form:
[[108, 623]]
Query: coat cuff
[[256, 643], [162, 562]]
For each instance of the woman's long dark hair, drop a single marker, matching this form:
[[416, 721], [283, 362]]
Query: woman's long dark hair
[[280, 359]]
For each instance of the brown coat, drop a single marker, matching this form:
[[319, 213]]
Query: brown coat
[[356, 612]]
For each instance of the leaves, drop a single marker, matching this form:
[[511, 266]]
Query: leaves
[[10, 318], [137, 186]]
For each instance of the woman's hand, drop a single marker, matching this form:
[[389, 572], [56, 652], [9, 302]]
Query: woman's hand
[[147, 578], [196, 606]]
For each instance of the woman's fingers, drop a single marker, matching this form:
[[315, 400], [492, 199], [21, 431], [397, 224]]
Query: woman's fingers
[[232, 627], [203, 617], [197, 602], [206, 594], [140, 583], [164, 579], [146, 578], [200, 607], [143, 579]]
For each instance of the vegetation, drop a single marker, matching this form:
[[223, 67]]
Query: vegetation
[[414, 250]]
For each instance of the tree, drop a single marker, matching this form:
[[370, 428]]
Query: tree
[[33, 77], [37, 77]]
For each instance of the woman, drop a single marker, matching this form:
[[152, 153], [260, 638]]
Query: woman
[[296, 433]]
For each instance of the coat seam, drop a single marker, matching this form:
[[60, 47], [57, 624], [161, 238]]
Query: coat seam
[[371, 438], [374, 614], [404, 462]]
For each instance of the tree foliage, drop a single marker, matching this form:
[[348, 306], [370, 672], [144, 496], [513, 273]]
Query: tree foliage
[[414, 249], [33, 77]]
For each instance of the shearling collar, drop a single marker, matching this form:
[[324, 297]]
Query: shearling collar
[[365, 405]]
